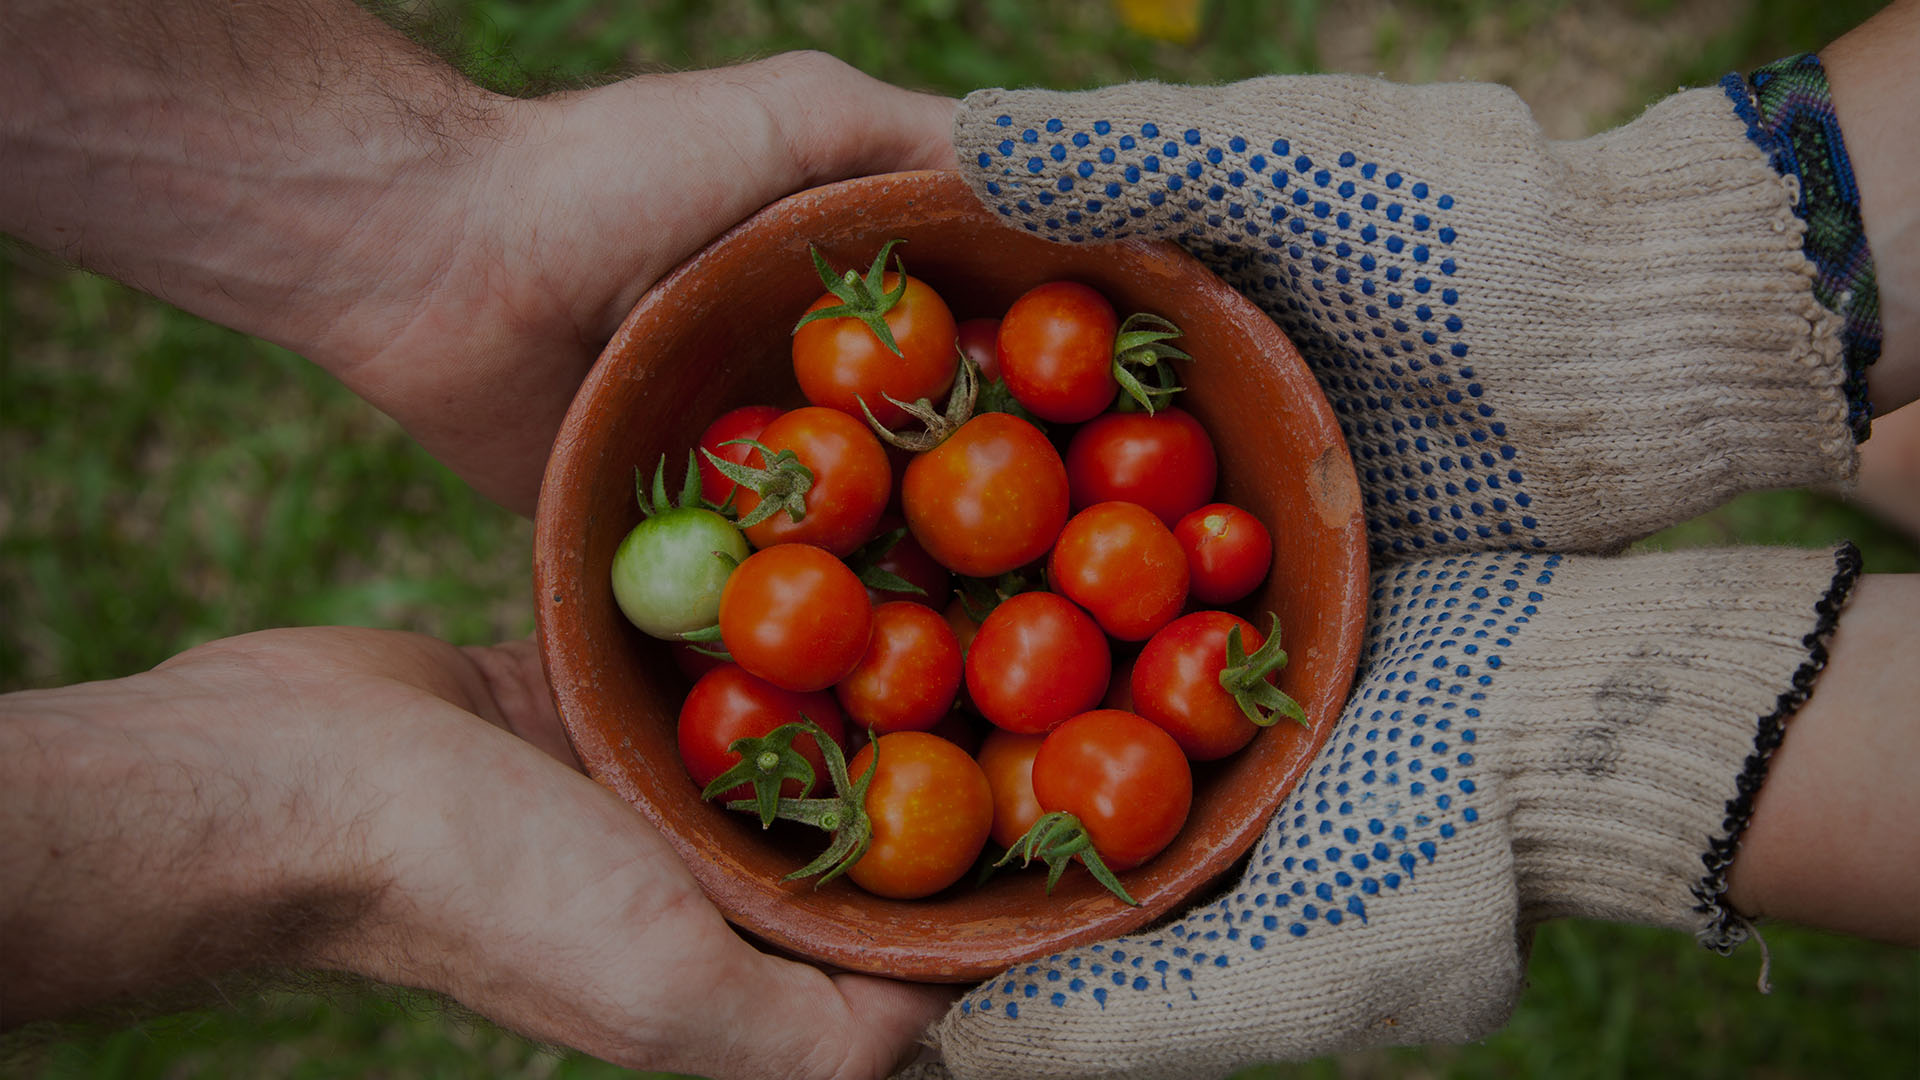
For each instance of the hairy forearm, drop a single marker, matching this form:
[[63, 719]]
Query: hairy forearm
[[150, 836], [1875, 84], [246, 162]]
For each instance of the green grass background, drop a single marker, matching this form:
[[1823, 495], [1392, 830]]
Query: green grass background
[[164, 482]]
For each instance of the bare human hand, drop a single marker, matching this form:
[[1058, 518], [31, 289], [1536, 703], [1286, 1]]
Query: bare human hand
[[597, 196], [301, 172], [379, 802]]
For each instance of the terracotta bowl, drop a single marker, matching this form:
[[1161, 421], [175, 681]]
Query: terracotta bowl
[[714, 335]]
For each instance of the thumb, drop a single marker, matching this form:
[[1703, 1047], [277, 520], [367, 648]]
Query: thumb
[[834, 121], [700, 151]]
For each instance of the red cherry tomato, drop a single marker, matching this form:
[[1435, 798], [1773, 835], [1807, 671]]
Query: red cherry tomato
[[840, 362], [1176, 684], [851, 481], [989, 499], [1007, 759], [1056, 351], [1036, 661], [728, 703], [907, 679], [1228, 552], [745, 422], [1125, 779], [979, 342], [1117, 561], [1164, 462], [931, 810], [795, 616]]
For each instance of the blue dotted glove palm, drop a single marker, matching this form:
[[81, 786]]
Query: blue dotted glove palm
[[1529, 344], [1534, 736]]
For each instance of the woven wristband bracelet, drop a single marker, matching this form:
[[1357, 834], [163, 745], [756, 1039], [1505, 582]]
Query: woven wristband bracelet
[[1788, 110]]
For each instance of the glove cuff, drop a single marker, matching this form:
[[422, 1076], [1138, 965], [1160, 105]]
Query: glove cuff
[[1788, 110], [1637, 752]]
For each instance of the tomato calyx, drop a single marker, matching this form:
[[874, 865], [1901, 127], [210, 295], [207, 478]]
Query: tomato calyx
[[960, 409], [861, 298], [979, 596], [1137, 397], [865, 562], [1245, 677], [843, 815], [1055, 839], [782, 483], [654, 500], [766, 762], [1141, 349]]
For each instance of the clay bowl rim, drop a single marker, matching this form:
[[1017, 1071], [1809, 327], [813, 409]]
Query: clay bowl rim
[[945, 938]]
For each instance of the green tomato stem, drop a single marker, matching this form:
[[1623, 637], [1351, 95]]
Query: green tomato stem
[[782, 483], [1245, 677], [766, 762], [1141, 346], [860, 298], [1056, 839], [843, 814]]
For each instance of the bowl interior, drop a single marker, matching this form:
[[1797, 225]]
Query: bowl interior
[[714, 335]]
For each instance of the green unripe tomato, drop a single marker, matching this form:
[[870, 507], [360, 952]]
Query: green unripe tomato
[[667, 576]]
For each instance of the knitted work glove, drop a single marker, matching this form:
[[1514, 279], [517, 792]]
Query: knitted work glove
[[1529, 344], [1534, 736]]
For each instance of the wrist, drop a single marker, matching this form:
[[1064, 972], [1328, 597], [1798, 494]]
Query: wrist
[[399, 231], [153, 832], [464, 811], [1873, 83]]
